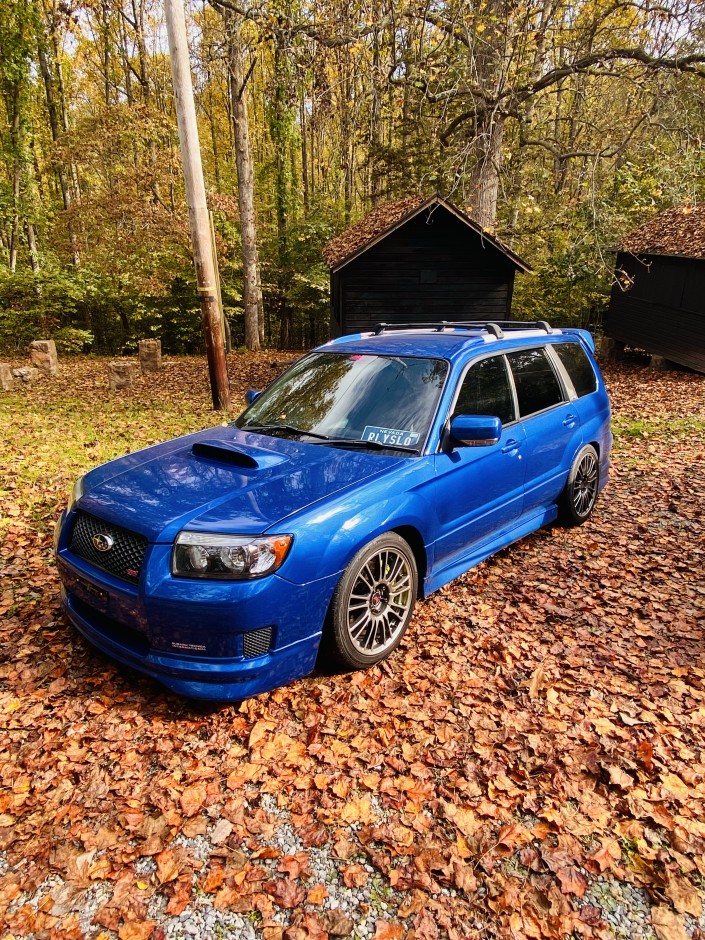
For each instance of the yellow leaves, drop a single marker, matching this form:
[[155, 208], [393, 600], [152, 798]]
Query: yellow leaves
[[461, 846], [358, 809], [341, 787]]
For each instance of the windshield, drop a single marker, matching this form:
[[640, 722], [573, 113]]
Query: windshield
[[382, 400]]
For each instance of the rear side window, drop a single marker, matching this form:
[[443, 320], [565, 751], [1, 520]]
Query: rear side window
[[536, 383], [486, 391], [578, 367]]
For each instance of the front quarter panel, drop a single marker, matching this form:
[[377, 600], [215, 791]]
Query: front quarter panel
[[327, 536]]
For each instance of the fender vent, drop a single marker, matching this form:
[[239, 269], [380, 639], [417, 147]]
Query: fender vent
[[257, 642]]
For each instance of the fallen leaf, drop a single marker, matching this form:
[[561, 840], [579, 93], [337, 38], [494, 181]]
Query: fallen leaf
[[136, 930], [684, 896], [667, 925], [337, 923], [388, 930], [317, 894], [168, 866], [221, 831], [193, 799], [286, 893], [464, 818], [619, 778]]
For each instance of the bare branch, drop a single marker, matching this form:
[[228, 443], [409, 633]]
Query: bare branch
[[685, 64]]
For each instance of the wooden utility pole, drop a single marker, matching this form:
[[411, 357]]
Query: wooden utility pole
[[196, 199]]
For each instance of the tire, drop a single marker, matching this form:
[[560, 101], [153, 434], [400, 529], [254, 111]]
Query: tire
[[373, 603], [578, 498]]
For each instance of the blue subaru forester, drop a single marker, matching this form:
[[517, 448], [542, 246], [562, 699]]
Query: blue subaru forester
[[373, 471]]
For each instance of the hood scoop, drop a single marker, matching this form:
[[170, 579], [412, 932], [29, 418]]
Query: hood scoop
[[246, 458]]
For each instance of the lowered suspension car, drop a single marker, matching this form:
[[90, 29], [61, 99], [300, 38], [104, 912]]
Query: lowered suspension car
[[373, 471]]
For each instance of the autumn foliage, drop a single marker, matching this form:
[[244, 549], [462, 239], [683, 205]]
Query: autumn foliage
[[540, 730]]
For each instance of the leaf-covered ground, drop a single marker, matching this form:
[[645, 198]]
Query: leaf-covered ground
[[530, 763]]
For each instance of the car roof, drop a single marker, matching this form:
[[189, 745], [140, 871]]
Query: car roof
[[451, 342]]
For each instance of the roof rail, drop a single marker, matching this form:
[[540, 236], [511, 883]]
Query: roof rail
[[496, 327]]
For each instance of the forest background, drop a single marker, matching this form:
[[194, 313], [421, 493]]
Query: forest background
[[559, 125]]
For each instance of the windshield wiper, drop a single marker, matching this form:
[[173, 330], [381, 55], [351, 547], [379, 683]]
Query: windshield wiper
[[368, 445], [289, 428]]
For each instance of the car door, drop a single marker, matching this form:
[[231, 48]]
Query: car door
[[479, 490], [551, 423]]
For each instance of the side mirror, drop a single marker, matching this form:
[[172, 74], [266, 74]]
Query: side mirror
[[250, 395], [475, 430]]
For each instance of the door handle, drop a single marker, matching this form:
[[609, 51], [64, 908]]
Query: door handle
[[510, 446], [570, 421]]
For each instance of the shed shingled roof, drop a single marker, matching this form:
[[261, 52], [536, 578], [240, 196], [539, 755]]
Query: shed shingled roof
[[354, 240], [677, 231]]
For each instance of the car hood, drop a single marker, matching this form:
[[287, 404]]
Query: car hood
[[222, 480]]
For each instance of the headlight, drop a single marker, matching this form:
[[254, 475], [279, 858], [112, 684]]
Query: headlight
[[238, 557], [76, 492]]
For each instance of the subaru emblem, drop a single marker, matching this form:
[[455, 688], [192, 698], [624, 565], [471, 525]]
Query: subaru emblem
[[102, 543]]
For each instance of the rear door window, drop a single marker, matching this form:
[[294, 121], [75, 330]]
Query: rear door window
[[486, 390], [578, 367], [536, 382]]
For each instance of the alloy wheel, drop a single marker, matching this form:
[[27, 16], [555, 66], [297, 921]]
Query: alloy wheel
[[379, 602], [585, 484]]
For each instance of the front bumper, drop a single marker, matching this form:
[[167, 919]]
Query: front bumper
[[192, 635]]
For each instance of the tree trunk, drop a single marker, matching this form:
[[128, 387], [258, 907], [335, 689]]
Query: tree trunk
[[375, 139], [145, 82], [32, 247], [280, 136], [484, 179], [304, 149], [16, 176], [53, 112], [252, 291]]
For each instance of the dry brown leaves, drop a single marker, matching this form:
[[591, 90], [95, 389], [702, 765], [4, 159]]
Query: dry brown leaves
[[542, 725]]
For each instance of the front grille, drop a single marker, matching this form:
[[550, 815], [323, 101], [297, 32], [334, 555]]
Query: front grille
[[125, 557], [257, 642]]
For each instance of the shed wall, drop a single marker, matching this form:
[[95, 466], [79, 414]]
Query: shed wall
[[435, 270], [664, 311]]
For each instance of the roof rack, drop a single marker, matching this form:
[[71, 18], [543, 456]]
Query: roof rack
[[495, 327]]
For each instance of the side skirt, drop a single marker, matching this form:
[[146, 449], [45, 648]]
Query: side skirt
[[478, 553]]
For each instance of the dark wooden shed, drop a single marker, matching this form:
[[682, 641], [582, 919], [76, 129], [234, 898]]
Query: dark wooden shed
[[658, 298], [417, 260]]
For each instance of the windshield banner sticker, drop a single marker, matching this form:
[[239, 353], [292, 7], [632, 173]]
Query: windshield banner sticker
[[391, 436]]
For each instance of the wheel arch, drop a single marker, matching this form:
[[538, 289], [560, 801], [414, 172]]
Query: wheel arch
[[414, 540]]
